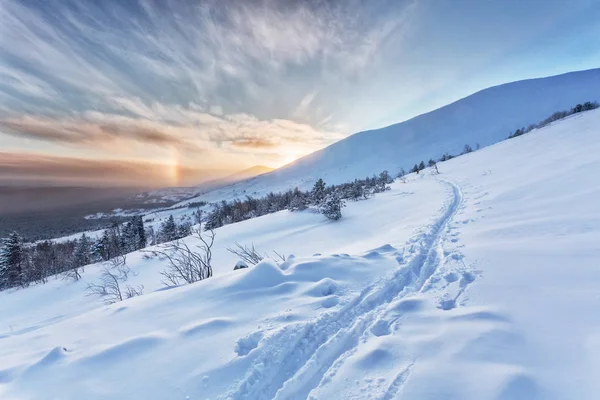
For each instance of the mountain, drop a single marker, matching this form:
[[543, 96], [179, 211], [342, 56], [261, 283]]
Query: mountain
[[482, 118], [248, 173]]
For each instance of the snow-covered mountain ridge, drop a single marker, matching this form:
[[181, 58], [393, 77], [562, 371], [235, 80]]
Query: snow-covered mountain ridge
[[483, 118]]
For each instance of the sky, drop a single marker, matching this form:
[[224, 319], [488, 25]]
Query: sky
[[174, 92]]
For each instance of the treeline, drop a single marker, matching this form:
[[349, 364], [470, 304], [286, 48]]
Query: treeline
[[587, 106], [23, 263], [329, 200]]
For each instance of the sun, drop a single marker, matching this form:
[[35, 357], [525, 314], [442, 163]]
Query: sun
[[287, 158]]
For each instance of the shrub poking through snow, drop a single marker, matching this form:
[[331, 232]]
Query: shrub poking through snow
[[247, 254], [110, 288], [186, 264]]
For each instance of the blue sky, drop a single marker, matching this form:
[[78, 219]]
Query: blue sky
[[223, 85]]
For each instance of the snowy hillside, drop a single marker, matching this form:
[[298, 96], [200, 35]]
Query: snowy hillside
[[483, 118], [478, 283]]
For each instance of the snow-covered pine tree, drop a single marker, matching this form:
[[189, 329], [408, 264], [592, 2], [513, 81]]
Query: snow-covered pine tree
[[140, 232], [83, 251], [13, 258], [332, 206], [213, 219], [318, 192], [128, 238], [183, 230], [385, 177], [168, 231], [298, 201]]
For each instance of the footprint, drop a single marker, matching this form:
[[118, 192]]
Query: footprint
[[330, 301], [467, 278], [451, 277], [447, 304], [380, 328]]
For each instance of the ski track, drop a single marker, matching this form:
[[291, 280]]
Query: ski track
[[297, 357]]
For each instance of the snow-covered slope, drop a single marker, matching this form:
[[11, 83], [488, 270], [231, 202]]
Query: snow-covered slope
[[478, 283], [483, 118]]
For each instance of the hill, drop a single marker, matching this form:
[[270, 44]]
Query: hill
[[482, 118]]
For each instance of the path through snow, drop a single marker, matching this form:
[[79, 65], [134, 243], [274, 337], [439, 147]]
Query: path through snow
[[299, 358]]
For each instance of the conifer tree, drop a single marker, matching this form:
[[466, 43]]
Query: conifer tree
[[140, 232], [168, 230], [13, 261], [83, 251], [332, 206], [318, 192]]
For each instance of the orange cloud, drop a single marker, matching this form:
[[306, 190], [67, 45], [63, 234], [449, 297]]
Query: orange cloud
[[27, 168]]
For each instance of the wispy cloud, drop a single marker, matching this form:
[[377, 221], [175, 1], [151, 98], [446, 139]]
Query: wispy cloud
[[30, 168], [225, 79], [186, 130]]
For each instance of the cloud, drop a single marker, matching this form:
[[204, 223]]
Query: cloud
[[253, 143], [187, 130], [209, 83], [94, 130], [216, 52], [24, 168]]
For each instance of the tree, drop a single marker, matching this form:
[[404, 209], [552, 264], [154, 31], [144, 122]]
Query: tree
[[468, 149], [140, 232], [168, 231], [421, 165], [183, 230], [13, 262], [318, 192], [43, 261], [81, 257], [385, 178], [298, 201], [415, 169], [431, 163], [109, 245], [332, 207]]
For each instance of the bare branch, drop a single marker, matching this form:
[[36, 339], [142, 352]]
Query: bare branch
[[279, 256], [109, 286], [187, 265], [247, 254]]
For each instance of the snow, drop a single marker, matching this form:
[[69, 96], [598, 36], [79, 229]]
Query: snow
[[478, 283], [483, 118]]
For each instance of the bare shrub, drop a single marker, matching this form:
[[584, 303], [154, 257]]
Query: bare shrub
[[111, 279], [187, 265], [251, 256], [278, 256], [247, 254], [72, 274]]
